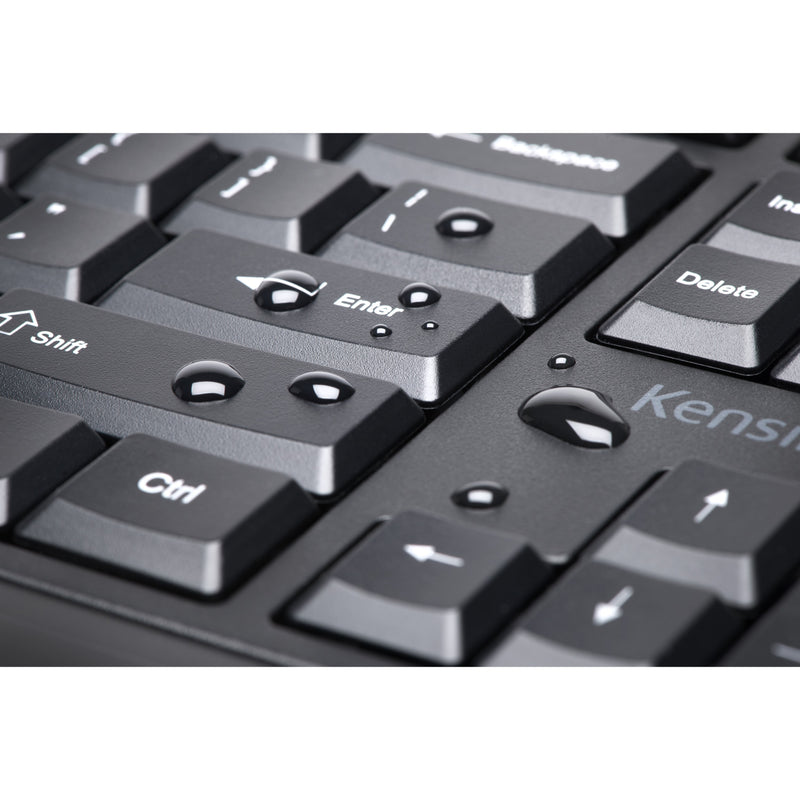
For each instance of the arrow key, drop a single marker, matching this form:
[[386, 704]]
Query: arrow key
[[425, 586], [600, 615], [733, 533]]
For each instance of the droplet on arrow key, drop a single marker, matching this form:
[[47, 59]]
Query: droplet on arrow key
[[579, 416]]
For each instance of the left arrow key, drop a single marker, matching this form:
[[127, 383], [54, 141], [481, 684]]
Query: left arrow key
[[437, 601]]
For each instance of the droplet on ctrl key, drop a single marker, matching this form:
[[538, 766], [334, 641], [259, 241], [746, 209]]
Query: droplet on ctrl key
[[579, 416], [322, 388]]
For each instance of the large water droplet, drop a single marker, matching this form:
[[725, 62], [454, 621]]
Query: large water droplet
[[483, 494], [380, 332], [463, 223], [287, 290], [205, 381], [579, 416], [418, 295], [322, 388]]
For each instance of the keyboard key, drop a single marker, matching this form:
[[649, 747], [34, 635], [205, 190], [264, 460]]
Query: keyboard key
[[767, 224], [8, 202], [21, 151], [730, 532], [774, 640], [143, 173], [295, 305], [312, 146], [172, 514], [71, 250], [723, 139], [277, 200], [41, 449], [617, 182], [713, 306], [118, 374], [788, 369], [599, 615], [425, 586], [528, 260]]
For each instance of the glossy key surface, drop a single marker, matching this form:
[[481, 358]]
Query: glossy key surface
[[172, 514], [617, 182], [527, 259], [125, 376], [303, 307]]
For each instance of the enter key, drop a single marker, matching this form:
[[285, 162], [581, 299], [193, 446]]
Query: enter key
[[715, 307]]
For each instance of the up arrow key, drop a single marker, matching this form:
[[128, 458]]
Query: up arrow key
[[716, 500]]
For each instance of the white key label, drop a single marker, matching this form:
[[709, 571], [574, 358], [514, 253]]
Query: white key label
[[356, 303], [693, 279], [169, 488]]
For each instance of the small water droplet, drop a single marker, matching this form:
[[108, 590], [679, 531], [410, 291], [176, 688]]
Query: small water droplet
[[430, 325], [483, 494], [205, 381], [561, 361], [380, 331], [579, 416], [419, 295], [463, 223], [322, 388], [287, 290]]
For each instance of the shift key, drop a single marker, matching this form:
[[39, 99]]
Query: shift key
[[712, 306], [123, 376]]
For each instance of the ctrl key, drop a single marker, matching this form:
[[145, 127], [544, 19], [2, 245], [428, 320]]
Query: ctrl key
[[171, 514], [600, 615], [425, 586]]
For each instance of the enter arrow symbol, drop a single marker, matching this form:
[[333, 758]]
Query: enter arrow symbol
[[608, 612], [716, 500]]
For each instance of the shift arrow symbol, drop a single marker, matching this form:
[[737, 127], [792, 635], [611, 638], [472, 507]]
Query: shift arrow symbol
[[717, 500], [425, 552], [608, 612]]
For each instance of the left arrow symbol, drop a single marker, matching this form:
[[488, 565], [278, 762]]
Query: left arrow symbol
[[425, 552]]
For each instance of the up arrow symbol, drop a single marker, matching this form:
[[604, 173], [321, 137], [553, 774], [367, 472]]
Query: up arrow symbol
[[608, 612], [12, 321], [716, 500]]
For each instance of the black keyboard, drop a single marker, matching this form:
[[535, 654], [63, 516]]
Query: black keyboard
[[413, 399]]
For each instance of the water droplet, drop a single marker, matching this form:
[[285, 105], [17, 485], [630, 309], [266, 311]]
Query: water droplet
[[418, 295], [463, 223], [561, 361], [380, 331], [287, 290], [579, 416], [321, 387], [205, 381], [483, 494], [430, 325]]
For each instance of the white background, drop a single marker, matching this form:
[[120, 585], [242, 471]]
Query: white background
[[384, 734]]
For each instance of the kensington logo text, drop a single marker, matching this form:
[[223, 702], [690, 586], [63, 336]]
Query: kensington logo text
[[732, 420]]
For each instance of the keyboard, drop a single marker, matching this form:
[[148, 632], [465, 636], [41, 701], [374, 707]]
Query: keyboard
[[400, 399]]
